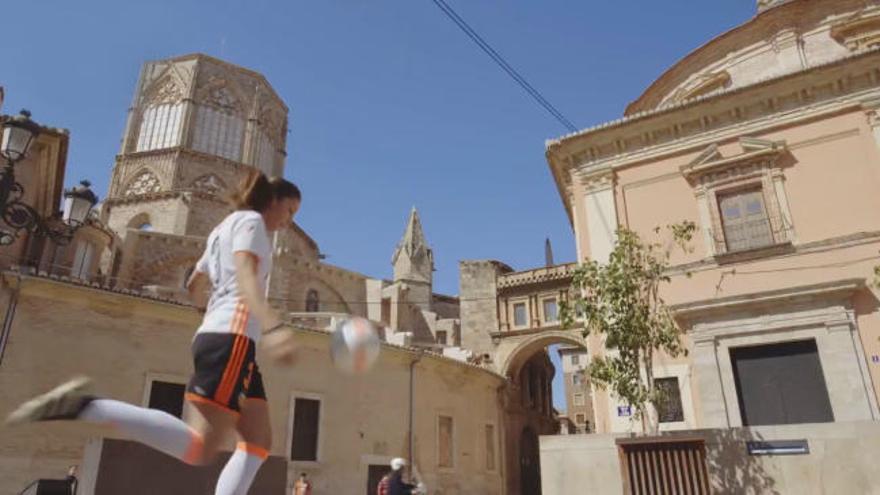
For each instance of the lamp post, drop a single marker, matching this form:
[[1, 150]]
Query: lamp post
[[19, 133]]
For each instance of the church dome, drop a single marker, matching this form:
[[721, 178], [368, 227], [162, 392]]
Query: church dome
[[786, 36]]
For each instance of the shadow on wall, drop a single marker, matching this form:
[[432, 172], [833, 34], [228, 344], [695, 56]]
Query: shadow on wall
[[732, 470]]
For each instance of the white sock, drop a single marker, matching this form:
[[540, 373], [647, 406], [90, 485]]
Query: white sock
[[151, 427], [241, 469]]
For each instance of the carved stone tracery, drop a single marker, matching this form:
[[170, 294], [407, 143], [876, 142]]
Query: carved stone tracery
[[145, 182], [209, 183]]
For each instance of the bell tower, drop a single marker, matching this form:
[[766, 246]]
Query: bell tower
[[195, 127]]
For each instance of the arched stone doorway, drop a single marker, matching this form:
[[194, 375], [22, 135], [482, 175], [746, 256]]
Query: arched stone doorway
[[529, 410], [529, 463]]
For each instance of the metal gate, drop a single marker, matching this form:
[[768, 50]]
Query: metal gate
[[664, 467]]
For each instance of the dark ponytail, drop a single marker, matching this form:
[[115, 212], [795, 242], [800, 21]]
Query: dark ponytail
[[257, 192]]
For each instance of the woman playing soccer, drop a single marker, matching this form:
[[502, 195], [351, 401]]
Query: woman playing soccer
[[226, 389]]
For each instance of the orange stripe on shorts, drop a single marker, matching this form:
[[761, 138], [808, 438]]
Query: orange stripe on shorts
[[230, 374], [233, 370]]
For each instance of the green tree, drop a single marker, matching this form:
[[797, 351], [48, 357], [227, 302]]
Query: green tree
[[620, 300]]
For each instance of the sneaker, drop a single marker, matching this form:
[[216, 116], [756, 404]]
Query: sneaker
[[65, 401]]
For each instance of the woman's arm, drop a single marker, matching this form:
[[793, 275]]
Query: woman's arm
[[199, 286]]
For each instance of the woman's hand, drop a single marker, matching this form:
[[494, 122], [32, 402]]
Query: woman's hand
[[281, 347]]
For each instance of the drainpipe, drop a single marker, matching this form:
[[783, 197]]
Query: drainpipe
[[412, 366], [10, 316], [501, 441]]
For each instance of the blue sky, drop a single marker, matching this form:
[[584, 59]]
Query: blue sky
[[391, 105]]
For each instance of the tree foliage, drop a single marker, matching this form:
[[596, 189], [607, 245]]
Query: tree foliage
[[621, 301]]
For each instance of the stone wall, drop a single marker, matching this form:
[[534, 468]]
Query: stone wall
[[479, 311], [840, 460], [339, 290], [164, 213], [156, 259]]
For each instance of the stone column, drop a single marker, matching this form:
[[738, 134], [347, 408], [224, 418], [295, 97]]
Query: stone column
[[705, 220], [840, 352], [778, 181], [709, 387], [601, 213], [874, 121]]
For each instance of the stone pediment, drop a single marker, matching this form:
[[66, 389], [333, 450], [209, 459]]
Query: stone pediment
[[753, 149]]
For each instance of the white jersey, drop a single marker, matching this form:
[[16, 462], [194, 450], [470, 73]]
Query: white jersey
[[241, 231]]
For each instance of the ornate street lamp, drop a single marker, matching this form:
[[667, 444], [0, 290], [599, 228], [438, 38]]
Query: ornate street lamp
[[19, 133]]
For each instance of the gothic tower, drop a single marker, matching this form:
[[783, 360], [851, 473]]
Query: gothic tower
[[411, 292], [413, 260], [195, 127]]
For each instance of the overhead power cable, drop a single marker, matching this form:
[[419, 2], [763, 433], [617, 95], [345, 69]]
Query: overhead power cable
[[498, 59]]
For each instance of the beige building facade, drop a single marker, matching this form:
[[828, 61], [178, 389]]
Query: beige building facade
[[767, 139], [136, 348]]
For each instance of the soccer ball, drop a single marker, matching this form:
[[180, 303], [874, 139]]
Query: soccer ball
[[354, 345]]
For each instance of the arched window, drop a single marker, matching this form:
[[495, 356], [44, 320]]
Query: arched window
[[313, 302], [142, 222], [160, 127], [219, 129]]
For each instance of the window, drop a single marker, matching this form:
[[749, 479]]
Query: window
[[313, 302], [550, 311], [306, 419], [167, 396], [490, 447], [82, 260], [265, 154], [669, 405], [160, 127], [745, 221], [520, 315], [577, 378], [218, 133], [579, 399], [580, 418], [445, 442], [441, 337], [780, 384], [575, 359]]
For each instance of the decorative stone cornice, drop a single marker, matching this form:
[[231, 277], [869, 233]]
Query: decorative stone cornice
[[536, 276], [185, 194], [872, 111], [674, 124], [769, 4], [598, 180], [859, 31], [706, 85], [836, 291]]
